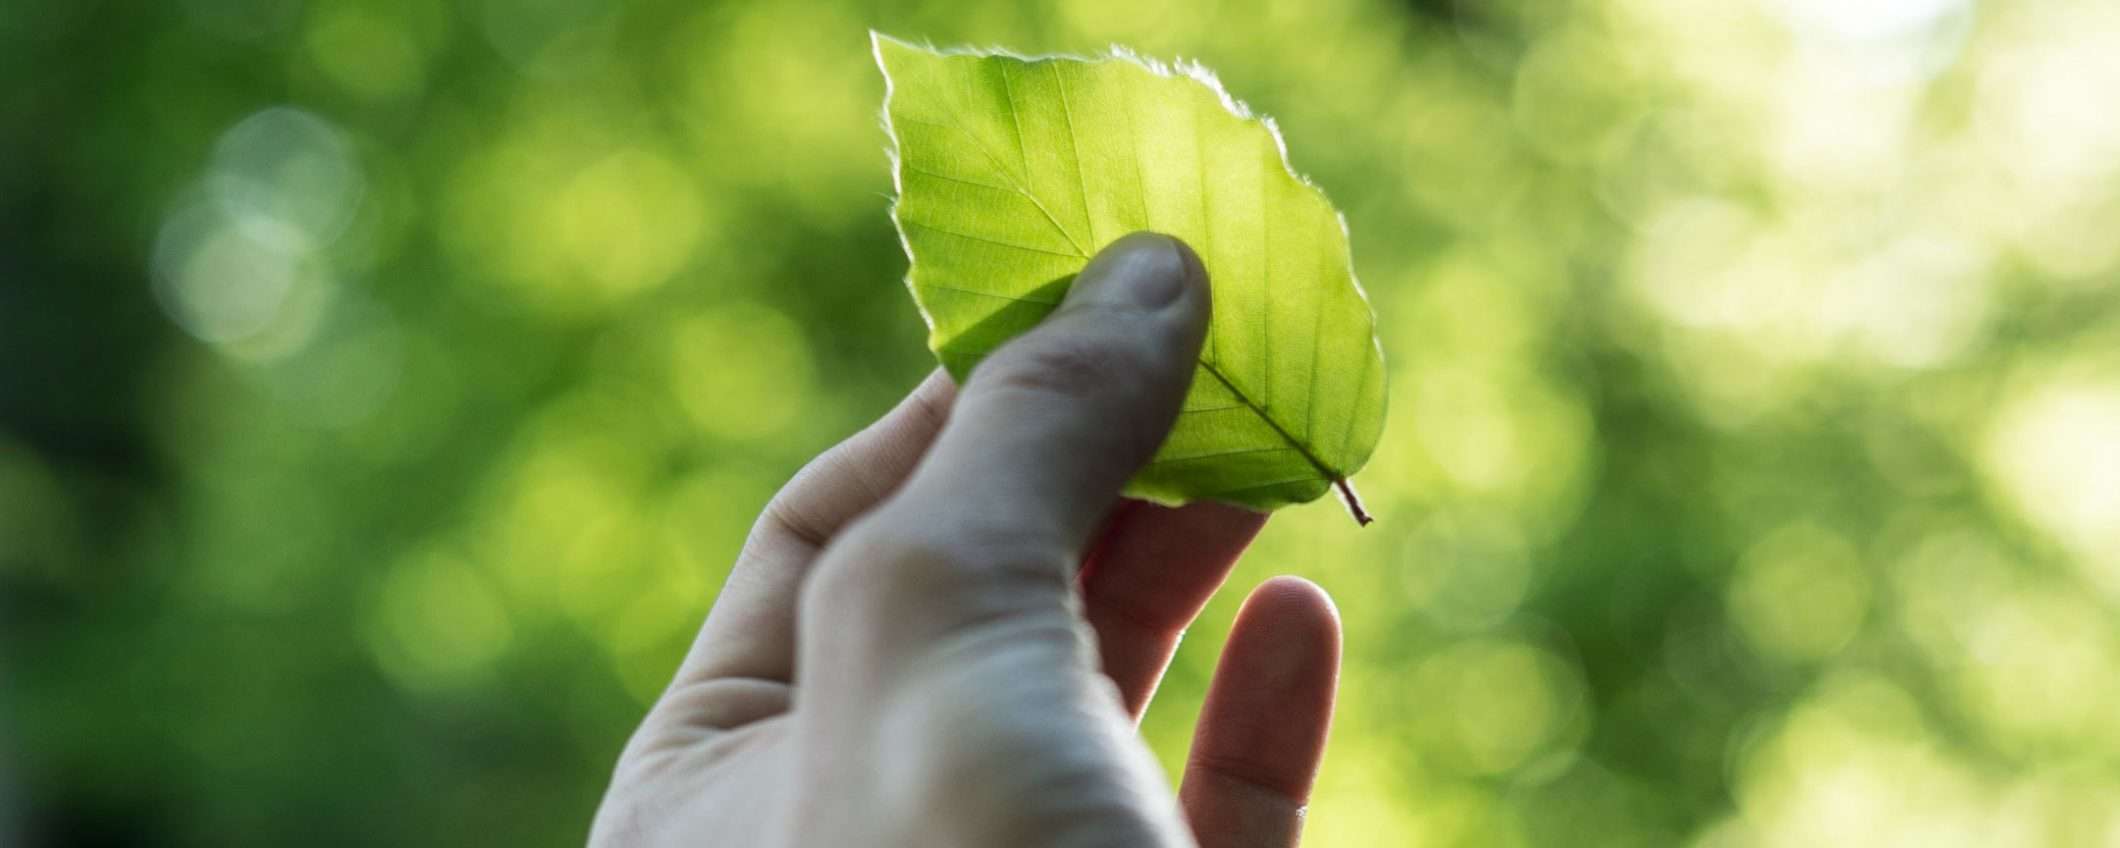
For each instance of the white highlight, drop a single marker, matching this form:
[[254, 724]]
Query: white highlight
[[238, 265]]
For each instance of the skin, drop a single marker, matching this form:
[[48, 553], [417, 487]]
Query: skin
[[943, 631]]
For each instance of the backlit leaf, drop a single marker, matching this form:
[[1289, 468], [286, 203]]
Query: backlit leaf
[[1012, 172]]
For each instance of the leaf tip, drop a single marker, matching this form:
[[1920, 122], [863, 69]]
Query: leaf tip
[[1362, 517]]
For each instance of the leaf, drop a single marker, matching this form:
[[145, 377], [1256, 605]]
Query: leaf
[[1012, 172]]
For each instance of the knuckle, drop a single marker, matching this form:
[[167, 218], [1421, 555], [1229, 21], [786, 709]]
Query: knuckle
[[715, 704], [930, 410]]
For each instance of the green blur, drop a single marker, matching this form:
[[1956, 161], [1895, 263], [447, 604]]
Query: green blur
[[385, 388]]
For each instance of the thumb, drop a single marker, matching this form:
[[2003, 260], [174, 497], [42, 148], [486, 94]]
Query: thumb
[[1050, 426], [1044, 434], [939, 637]]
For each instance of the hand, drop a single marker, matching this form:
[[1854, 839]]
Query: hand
[[942, 631]]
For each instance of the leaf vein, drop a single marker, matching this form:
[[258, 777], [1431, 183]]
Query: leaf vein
[[1317, 348], [997, 295], [1238, 490], [1301, 446], [1074, 146], [1015, 119], [1219, 454], [1207, 236], [1003, 170], [955, 179], [1361, 389], [988, 240]]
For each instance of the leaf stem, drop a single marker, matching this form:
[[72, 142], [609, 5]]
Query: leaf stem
[[1353, 501]]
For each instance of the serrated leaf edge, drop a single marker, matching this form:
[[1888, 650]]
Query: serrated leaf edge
[[1175, 69]]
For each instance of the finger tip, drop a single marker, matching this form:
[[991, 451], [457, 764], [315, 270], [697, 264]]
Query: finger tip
[[1269, 707], [1299, 612], [1171, 254], [1297, 594], [1194, 268]]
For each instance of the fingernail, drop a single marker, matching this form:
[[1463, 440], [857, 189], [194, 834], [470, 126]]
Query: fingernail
[[1142, 270]]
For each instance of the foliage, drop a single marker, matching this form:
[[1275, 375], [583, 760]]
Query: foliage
[[388, 385]]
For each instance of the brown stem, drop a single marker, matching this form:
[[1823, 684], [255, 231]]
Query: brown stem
[[1353, 501]]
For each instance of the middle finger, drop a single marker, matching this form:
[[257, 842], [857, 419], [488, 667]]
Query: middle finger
[[1147, 578]]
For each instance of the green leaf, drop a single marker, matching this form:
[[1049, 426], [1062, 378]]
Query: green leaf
[[1012, 172]]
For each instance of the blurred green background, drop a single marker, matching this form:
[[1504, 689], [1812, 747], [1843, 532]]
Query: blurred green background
[[385, 387]]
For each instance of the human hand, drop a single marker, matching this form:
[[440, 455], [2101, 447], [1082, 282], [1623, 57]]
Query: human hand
[[942, 631]]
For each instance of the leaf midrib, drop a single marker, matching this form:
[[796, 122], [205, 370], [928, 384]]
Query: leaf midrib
[[1300, 446]]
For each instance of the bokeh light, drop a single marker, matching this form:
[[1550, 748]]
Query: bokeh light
[[392, 384]]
